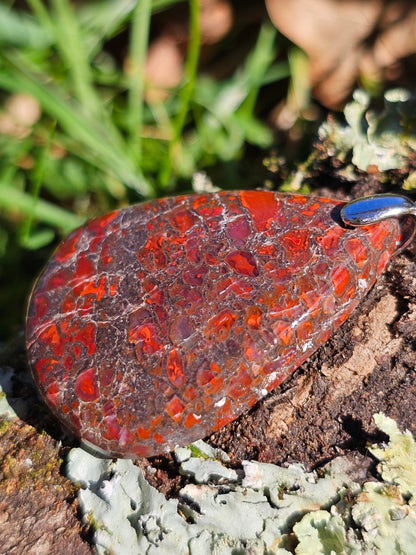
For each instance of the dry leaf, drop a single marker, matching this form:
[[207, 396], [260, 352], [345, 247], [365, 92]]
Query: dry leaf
[[345, 39]]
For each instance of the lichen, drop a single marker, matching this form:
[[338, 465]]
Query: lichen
[[397, 460], [321, 532], [384, 139], [386, 521], [263, 508]]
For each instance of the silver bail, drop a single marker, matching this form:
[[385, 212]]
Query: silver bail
[[373, 209]]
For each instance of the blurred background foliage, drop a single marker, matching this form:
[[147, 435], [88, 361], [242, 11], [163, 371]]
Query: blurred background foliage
[[108, 102]]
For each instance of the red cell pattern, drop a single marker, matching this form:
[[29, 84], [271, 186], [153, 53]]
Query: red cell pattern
[[157, 324]]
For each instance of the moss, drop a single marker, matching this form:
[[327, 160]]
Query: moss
[[4, 425]]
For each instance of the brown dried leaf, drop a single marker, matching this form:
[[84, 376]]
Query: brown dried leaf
[[346, 39], [216, 20], [164, 67]]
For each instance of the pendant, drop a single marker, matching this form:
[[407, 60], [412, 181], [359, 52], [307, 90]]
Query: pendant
[[157, 324]]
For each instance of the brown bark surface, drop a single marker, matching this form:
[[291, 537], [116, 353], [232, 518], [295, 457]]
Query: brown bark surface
[[37, 504]]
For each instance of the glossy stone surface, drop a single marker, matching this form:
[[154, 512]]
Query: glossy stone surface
[[155, 325]]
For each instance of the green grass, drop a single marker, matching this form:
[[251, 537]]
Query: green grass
[[98, 113], [98, 143]]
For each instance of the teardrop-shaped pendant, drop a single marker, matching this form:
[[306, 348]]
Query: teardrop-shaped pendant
[[155, 325]]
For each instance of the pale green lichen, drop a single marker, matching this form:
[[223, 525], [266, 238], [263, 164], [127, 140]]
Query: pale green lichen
[[386, 521], [383, 139], [320, 532], [203, 470], [262, 508], [202, 450], [398, 459]]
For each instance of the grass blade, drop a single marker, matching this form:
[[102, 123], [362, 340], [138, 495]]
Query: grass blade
[[185, 95], [70, 45], [191, 66], [21, 30], [42, 15], [39, 176], [79, 125], [13, 199], [137, 59]]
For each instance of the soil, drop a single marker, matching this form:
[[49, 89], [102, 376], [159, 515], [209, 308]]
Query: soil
[[324, 410]]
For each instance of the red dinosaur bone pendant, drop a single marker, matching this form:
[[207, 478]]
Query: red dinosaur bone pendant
[[155, 325]]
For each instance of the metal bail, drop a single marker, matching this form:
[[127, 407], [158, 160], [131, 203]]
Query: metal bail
[[375, 208]]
